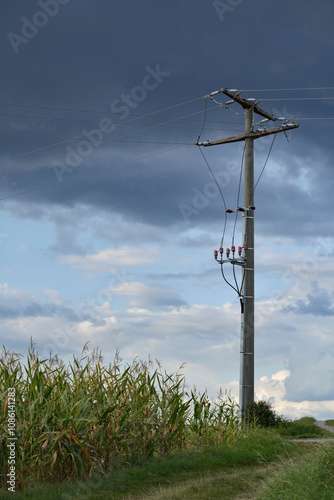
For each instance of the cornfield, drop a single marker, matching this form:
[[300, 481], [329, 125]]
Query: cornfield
[[73, 420]]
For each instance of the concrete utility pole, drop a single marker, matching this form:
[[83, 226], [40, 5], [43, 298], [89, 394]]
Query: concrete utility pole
[[246, 390]]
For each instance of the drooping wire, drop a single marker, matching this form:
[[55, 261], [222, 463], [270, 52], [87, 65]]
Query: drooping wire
[[225, 221], [207, 164], [204, 119], [239, 188], [236, 218], [223, 198], [263, 168], [214, 177]]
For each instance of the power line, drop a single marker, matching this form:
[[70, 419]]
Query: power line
[[323, 118], [225, 220], [204, 118], [279, 90], [95, 111], [238, 196], [263, 168], [90, 173], [132, 114], [101, 129], [117, 114], [81, 137], [98, 121], [214, 177], [69, 139], [103, 140], [122, 123], [65, 154], [300, 99]]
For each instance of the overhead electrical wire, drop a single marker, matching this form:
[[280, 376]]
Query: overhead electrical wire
[[223, 198], [236, 287], [101, 129], [103, 140], [263, 168], [206, 161], [238, 195], [65, 154], [149, 128], [299, 99], [204, 119], [281, 90], [81, 137], [89, 173], [68, 139], [98, 121], [112, 166], [95, 111], [105, 113], [225, 219], [323, 118], [129, 121]]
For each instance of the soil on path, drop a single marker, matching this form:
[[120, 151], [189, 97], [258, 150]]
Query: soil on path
[[322, 424]]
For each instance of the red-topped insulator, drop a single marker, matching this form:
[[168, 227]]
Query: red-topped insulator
[[233, 249], [227, 252], [239, 251], [245, 246], [221, 250], [215, 253]]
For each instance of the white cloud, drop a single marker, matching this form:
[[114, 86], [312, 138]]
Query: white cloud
[[105, 260], [147, 297], [294, 355], [53, 296], [271, 387]]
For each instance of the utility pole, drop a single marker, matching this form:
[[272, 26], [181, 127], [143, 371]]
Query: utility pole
[[246, 260]]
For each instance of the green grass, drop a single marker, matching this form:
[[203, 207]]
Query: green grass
[[302, 428], [311, 478], [89, 431], [72, 421], [203, 473], [330, 423]]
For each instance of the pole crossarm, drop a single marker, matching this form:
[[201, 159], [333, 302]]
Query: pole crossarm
[[248, 103], [256, 134]]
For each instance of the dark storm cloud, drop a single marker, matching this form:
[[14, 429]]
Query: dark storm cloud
[[88, 56], [102, 45]]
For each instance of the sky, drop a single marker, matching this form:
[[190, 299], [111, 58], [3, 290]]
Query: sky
[[110, 212]]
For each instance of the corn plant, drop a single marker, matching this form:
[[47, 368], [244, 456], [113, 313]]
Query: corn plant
[[72, 420]]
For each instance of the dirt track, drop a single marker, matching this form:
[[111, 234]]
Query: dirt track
[[319, 423], [322, 424]]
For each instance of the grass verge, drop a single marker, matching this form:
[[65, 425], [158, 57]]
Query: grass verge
[[302, 428], [205, 473], [310, 478]]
